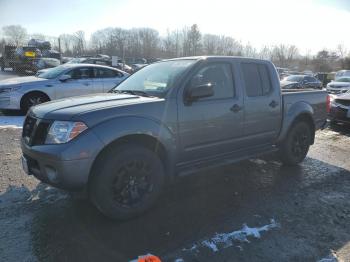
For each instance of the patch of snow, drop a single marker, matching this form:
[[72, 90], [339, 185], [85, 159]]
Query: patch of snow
[[211, 245], [331, 258], [258, 161], [11, 121], [224, 240]]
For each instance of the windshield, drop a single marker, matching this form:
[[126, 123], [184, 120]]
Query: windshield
[[53, 72], [343, 79], [294, 78], [155, 79]]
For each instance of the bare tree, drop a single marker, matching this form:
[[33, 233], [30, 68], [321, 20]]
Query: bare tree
[[15, 34], [250, 51], [38, 36], [211, 44], [194, 40], [79, 42], [342, 53], [67, 41]]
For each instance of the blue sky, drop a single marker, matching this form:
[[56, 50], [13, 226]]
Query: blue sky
[[309, 24]]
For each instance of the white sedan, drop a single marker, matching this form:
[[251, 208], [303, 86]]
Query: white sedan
[[339, 86], [60, 82]]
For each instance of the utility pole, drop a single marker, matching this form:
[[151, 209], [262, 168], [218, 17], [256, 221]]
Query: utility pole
[[59, 49]]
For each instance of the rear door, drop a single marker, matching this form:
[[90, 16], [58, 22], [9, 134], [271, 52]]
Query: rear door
[[81, 83], [262, 104], [210, 126], [108, 78]]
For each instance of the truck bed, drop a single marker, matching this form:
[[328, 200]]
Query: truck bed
[[294, 99]]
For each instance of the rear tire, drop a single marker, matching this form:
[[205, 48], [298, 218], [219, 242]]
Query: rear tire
[[33, 99], [126, 181], [296, 145]]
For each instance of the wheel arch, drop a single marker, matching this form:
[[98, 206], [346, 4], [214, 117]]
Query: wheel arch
[[145, 140], [306, 117], [32, 92]]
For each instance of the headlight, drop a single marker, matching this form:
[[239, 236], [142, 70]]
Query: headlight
[[9, 89], [64, 131]]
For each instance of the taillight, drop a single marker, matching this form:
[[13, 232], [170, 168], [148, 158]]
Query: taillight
[[328, 104]]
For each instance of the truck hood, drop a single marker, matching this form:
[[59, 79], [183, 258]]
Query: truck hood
[[21, 81], [73, 107], [338, 84]]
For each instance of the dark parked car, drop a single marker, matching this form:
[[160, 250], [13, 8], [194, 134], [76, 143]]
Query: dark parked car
[[300, 82], [169, 119], [340, 109]]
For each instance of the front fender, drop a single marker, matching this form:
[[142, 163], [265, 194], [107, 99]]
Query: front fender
[[291, 114], [119, 127]]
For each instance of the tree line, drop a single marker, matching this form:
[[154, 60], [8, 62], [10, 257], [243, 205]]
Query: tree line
[[188, 41]]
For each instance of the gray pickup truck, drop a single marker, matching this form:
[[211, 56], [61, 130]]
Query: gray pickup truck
[[168, 119]]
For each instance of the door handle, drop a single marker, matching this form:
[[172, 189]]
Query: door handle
[[236, 108], [273, 104]]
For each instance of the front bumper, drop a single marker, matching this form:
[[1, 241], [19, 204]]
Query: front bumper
[[65, 166], [337, 91], [11, 100]]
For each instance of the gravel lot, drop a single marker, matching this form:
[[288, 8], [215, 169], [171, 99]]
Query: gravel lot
[[291, 214]]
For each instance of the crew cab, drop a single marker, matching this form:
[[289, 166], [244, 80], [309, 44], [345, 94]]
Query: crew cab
[[169, 119]]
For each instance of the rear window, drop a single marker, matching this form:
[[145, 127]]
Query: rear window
[[257, 79], [107, 73]]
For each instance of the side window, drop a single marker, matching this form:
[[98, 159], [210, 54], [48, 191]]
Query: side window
[[220, 75], [257, 79], [310, 79], [108, 73], [81, 73], [265, 79]]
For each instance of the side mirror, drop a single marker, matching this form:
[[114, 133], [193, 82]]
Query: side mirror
[[201, 91], [64, 78]]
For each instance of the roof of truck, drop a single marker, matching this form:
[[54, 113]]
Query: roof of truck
[[217, 57]]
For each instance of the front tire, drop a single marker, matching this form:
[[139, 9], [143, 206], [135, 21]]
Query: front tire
[[33, 99], [126, 181], [296, 145]]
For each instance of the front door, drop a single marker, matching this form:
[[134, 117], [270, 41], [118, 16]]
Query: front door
[[80, 83], [210, 126]]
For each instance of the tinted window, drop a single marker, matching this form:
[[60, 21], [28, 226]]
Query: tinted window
[[220, 75], [265, 79], [81, 73], [310, 79], [257, 79], [107, 73]]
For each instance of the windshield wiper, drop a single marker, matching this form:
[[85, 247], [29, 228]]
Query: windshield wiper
[[132, 92]]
